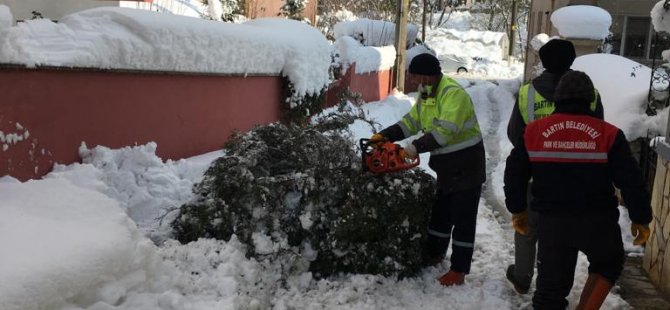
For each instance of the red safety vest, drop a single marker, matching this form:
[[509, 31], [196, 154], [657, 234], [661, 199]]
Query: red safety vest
[[568, 138]]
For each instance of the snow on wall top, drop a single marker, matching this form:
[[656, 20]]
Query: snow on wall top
[[373, 32], [121, 38], [582, 22], [367, 58]]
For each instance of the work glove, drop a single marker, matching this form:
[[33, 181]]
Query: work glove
[[409, 152], [520, 222], [377, 138], [641, 233]]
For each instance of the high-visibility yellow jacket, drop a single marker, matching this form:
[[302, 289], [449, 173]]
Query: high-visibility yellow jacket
[[541, 107], [542, 91], [451, 135], [448, 117]]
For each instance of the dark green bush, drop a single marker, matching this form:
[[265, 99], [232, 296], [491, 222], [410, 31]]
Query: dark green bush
[[289, 191]]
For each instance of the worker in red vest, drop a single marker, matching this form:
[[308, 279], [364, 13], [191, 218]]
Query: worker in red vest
[[574, 160], [536, 101]]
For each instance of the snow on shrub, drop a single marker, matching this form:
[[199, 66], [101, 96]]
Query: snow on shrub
[[298, 195]]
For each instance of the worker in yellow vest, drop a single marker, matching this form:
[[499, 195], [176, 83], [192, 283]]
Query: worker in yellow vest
[[445, 115], [536, 101]]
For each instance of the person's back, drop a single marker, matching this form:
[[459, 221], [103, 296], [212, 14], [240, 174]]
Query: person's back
[[575, 160], [535, 99], [570, 168]]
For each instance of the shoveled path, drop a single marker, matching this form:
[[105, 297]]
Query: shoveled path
[[637, 289]]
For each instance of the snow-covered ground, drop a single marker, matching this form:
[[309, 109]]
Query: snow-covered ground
[[68, 238], [81, 238]]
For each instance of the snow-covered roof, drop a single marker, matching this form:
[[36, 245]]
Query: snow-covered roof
[[121, 38], [582, 22]]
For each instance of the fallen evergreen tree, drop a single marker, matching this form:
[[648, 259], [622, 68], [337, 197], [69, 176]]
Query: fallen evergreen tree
[[298, 194]]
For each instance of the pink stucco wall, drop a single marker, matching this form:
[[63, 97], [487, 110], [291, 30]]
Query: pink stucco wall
[[185, 114], [373, 86]]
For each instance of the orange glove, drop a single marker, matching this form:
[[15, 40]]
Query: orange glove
[[520, 222], [376, 138], [641, 233]]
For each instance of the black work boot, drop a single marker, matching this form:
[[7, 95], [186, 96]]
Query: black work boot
[[434, 250], [518, 286], [429, 261]]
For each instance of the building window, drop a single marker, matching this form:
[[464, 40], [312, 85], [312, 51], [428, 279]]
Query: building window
[[636, 37]]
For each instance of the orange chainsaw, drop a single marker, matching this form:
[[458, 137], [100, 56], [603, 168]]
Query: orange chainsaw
[[384, 157]]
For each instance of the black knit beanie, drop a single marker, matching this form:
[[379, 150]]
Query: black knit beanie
[[425, 64], [574, 86], [557, 55]]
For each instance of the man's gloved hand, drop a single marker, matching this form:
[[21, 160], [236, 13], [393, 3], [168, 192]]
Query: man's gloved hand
[[377, 138], [641, 233], [409, 152], [520, 222]]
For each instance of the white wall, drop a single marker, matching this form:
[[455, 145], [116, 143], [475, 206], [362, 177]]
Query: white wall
[[52, 9]]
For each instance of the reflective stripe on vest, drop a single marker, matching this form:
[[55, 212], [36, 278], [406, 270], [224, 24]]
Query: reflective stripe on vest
[[417, 124], [567, 155], [530, 108], [458, 146]]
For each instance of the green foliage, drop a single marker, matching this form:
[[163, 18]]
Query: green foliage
[[293, 8], [301, 107], [297, 195]]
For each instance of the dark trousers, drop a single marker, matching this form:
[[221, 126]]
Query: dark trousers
[[525, 247], [560, 238], [525, 250], [454, 216]]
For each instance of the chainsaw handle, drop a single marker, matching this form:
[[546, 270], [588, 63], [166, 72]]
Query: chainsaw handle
[[365, 145], [382, 157]]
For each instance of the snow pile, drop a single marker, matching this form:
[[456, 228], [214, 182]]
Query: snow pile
[[145, 187], [469, 43], [582, 22], [366, 58], [539, 40], [122, 38], [457, 20], [623, 85], [373, 32], [64, 243]]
